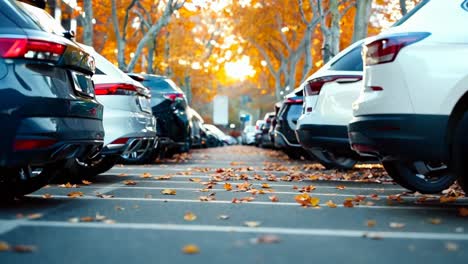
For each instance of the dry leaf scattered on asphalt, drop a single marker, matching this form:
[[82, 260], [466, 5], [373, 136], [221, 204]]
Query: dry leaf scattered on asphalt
[[197, 180], [273, 198], [68, 185], [371, 223], [34, 216], [450, 246], [4, 246], [169, 192], [85, 182], [267, 239], [189, 216], [306, 200], [24, 248], [129, 182], [462, 211], [191, 249], [331, 204], [47, 196], [348, 202], [146, 175], [227, 186], [340, 187], [75, 194], [163, 178], [396, 225]]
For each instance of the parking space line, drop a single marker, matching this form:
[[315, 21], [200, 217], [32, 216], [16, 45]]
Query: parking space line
[[146, 169], [391, 207], [271, 184], [257, 230]]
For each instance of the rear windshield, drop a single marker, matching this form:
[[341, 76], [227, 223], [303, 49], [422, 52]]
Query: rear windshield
[[294, 112], [161, 85], [43, 19]]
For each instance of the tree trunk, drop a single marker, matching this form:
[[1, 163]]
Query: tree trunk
[[88, 23], [361, 19], [151, 47], [335, 28], [120, 41], [403, 9]]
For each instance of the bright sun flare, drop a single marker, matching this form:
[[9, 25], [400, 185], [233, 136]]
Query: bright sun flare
[[240, 69]]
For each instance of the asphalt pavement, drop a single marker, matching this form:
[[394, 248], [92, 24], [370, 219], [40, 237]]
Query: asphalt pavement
[[234, 205]]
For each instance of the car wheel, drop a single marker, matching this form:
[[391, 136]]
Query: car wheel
[[332, 161], [17, 182], [293, 153], [420, 176], [460, 153]]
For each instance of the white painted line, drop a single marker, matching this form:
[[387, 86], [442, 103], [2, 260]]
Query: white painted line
[[156, 167], [8, 225], [172, 200], [272, 184], [256, 230]]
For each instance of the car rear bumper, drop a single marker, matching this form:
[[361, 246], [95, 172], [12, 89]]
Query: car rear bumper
[[68, 137], [329, 137], [282, 141], [402, 136]]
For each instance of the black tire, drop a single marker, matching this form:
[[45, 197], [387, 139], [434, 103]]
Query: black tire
[[460, 152], [293, 154], [17, 182], [420, 176], [75, 171], [332, 161]]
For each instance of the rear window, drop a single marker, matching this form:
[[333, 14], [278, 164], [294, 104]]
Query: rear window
[[294, 111], [161, 85], [41, 18], [13, 14], [349, 62]]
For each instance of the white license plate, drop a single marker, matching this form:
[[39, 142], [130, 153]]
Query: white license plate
[[144, 104]]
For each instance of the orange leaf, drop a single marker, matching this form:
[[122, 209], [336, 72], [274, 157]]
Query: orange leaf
[[331, 204], [341, 187], [314, 201], [273, 198], [265, 185], [87, 219], [228, 186], [195, 180], [129, 182], [303, 199], [169, 192], [146, 175], [348, 203], [189, 216], [47, 196], [4, 246], [85, 182], [24, 248], [371, 223], [75, 194], [163, 178], [191, 249], [448, 199], [34, 216], [235, 200]]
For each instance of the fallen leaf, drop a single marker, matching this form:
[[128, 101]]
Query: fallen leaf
[[85, 182], [435, 221], [450, 246], [267, 239], [307, 188], [206, 198], [47, 196], [265, 185], [4, 246], [100, 217], [163, 178], [462, 211], [331, 204], [68, 185], [235, 200], [74, 220], [374, 196], [146, 175], [122, 175], [169, 192], [189, 216], [104, 196], [75, 194], [252, 223], [223, 217], [305, 200], [87, 219], [24, 248], [247, 199], [341, 187], [129, 182], [448, 199], [195, 180], [191, 249], [34, 216], [371, 223], [397, 225], [228, 186], [348, 202], [273, 198]]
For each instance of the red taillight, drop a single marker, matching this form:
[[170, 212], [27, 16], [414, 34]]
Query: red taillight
[[120, 141], [31, 144], [294, 101], [12, 48], [115, 89], [173, 96], [386, 49], [314, 86], [256, 127]]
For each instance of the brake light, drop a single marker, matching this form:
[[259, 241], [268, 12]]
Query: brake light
[[294, 101], [120, 141], [31, 144], [385, 50], [12, 48], [173, 96], [115, 89], [314, 86]]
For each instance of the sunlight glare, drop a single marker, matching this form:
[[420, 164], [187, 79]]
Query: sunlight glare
[[240, 69]]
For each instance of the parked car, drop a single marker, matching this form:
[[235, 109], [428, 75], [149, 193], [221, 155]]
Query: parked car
[[169, 106], [130, 127], [286, 121], [274, 121], [48, 110], [328, 97], [225, 139], [412, 110], [196, 124], [248, 135], [258, 131], [265, 140]]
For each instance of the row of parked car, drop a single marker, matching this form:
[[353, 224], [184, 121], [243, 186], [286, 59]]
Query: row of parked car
[[400, 97], [67, 111]]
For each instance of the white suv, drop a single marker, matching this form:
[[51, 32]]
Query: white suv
[[327, 109], [414, 96]]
